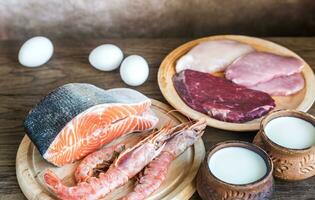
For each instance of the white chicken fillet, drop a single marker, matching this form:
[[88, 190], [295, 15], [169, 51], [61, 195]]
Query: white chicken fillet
[[212, 56]]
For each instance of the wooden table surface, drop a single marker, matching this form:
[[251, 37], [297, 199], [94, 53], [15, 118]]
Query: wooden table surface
[[21, 88]]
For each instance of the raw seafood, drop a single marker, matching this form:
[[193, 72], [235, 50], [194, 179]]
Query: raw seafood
[[77, 119], [155, 173], [129, 163], [220, 98], [259, 67], [95, 127], [97, 161], [282, 86], [212, 56]]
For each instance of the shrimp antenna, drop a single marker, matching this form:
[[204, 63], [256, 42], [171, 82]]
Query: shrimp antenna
[[202, 122], [175, 110], [199, 125]]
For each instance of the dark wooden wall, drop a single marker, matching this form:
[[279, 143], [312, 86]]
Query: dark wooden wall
[[155, 18]]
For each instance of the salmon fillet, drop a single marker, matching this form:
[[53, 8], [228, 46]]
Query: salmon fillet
[[95, 127], [76, 119]]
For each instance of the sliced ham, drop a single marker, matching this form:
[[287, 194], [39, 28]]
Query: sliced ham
[[282, 86], [212, 56], [258, 67]]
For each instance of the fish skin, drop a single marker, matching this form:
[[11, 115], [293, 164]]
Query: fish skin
[[48, 118], [54, 111]]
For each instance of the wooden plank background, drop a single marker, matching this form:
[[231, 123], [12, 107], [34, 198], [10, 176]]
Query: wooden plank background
[[21, 88]]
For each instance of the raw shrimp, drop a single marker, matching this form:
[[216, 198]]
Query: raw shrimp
[[155, 173], [129, 163], [97, 162]]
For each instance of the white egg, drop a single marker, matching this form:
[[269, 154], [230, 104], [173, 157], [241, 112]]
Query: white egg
[[36, 51], [134, 70], [106, 57]]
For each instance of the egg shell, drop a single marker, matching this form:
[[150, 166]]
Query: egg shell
[[134, 70], [35, 51], [106, 57]]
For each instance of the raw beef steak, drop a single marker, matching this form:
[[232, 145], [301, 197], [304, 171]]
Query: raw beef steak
[[220, 98], [259, 67]]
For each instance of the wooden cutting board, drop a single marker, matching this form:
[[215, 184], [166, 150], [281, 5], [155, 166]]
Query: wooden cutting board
[[179, 184]]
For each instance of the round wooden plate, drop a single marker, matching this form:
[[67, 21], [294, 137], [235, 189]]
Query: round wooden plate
[[179, 184], [302, 100]]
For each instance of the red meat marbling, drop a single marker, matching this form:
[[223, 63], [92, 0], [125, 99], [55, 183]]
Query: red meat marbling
[[220, 98]]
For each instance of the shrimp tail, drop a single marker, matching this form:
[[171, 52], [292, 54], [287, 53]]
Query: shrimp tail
[[54, 184], [51, 179], [64, 192]]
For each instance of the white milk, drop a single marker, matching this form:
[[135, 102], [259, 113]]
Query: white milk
[[237, 165], [291, 132]]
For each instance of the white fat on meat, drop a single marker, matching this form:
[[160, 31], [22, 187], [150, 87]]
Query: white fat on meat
[[260, 67], [212, 56]]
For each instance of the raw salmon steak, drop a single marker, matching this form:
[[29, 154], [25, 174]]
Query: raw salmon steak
[[77, 119]]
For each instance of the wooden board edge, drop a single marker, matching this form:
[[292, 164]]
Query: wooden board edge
[[25, 176], [188, 187], [309, 98]]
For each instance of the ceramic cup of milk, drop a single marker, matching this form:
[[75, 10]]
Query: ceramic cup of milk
[[235, 170], [288, 137]]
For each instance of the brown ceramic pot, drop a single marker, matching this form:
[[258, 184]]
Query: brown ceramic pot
[[211, 188], [289, 164]]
